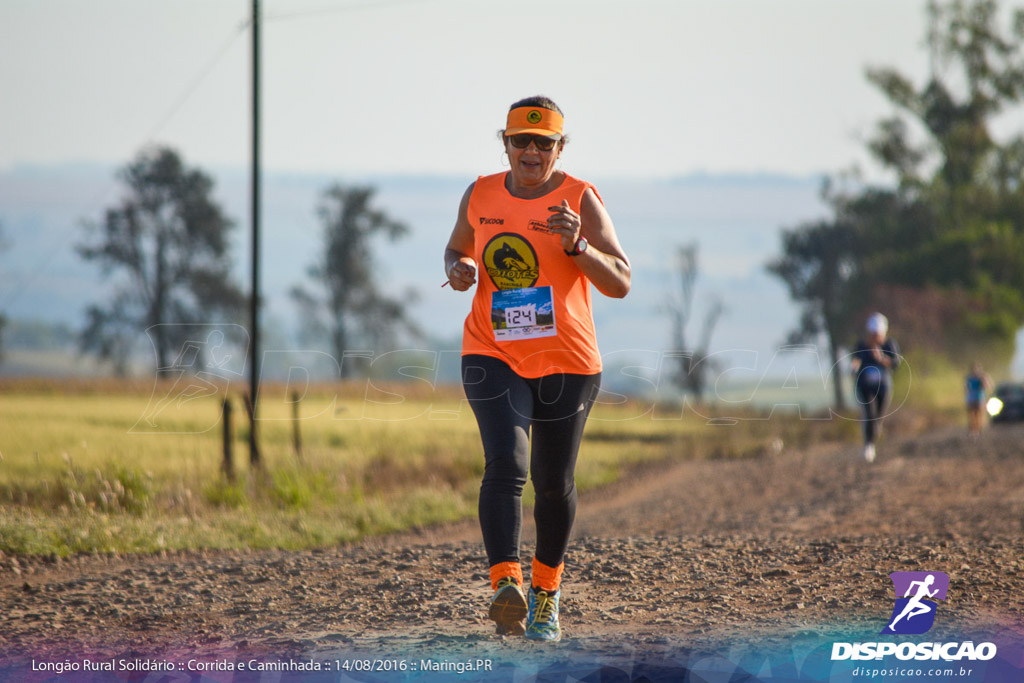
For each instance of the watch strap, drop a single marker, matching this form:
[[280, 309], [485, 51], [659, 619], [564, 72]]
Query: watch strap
[[576, 250]]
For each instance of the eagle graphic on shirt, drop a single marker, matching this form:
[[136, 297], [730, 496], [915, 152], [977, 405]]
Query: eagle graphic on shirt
[[511, 261]]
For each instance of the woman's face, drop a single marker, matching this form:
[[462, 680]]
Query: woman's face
[[531, 166]]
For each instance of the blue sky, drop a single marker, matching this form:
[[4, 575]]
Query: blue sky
[[649, 87]]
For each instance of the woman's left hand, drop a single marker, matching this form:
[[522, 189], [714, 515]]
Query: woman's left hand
[[566, 223]]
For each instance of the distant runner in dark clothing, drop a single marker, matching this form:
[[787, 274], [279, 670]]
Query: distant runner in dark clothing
[[874, 359]]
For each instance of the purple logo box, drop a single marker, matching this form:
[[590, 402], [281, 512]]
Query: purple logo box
[[902, 580]]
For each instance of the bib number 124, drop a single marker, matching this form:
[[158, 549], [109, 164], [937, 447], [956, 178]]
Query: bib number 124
[[521, 316]]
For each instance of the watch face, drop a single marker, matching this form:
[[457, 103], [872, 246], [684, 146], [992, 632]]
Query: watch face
[[581, 245]]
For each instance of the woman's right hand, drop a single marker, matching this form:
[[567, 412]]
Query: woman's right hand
[[459, 266], [462, 274]]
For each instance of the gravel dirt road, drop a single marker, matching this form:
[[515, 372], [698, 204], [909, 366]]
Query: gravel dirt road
[[679, 557]]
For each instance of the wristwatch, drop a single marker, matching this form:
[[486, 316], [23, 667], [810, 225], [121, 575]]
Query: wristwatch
[[578, 248]]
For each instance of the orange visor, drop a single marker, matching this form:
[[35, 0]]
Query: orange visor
[[536, 120]]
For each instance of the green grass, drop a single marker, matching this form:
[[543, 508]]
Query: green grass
[[928, 392], [103, 468]]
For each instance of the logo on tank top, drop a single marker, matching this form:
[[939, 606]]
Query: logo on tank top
[[511, 262], [538, 226]]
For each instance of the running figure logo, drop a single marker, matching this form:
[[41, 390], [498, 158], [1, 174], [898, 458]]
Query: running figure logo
[[914, 612], [209, 357]]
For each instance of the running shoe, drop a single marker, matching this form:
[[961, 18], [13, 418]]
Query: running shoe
[[508, 608], [542, 622], [869, 452]]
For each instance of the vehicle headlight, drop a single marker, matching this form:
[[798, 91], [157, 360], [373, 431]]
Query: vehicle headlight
[[994, 406]]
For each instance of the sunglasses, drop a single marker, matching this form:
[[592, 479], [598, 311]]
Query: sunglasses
[[523, 140]]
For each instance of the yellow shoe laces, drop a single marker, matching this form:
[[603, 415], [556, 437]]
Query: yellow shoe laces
[[506, 581], [546, 605]]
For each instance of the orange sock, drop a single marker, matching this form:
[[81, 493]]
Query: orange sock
[[503, 569], [546, 578]]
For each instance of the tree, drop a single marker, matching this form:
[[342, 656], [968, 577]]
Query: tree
[[947, 240], [956, 220], [3, 318], [693, 370], [977, 72], [167, 240], [820, 267], [349, 306]]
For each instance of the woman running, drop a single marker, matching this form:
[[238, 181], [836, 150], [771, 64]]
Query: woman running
[[530, 364], [874, 359]]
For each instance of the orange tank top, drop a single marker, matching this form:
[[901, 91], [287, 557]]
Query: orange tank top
[[532, 305]]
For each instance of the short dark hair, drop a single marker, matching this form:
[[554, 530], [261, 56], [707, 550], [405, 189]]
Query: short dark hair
[[541, 101], [537, 101]]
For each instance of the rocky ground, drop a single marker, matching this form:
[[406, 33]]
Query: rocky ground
[[679, 557]]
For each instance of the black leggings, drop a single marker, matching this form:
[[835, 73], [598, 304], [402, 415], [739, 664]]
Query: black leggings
[[507, 407], [874, 402]]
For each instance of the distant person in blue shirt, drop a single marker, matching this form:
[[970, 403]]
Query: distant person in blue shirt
[[976, 388], [874, 359]]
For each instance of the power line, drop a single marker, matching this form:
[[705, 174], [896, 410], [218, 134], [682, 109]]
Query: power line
[[61, 236], [199, 78], [339, 9], [28, 280]]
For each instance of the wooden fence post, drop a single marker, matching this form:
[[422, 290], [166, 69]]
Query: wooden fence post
[[296, 430], [254, 450], [228, 463]]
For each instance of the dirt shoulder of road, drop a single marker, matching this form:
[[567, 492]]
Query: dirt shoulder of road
[[677, 556]]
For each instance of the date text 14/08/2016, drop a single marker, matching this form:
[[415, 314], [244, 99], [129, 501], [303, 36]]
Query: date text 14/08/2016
[[379, 665]]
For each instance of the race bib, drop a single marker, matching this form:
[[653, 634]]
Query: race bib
[[523, 313]]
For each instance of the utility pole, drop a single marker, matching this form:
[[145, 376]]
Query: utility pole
[[254, 304]]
